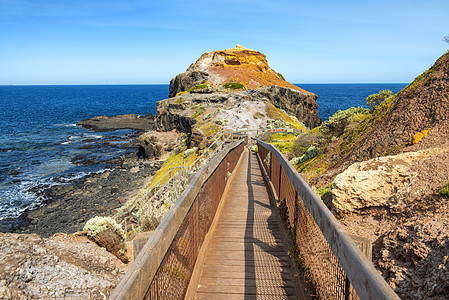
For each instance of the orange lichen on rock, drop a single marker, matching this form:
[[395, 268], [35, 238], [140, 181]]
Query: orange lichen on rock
[[242, 65], [418, 137]]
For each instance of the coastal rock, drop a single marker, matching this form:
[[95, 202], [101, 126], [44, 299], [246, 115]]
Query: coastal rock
[[58, 267], [300, 104], [394, 182], [238, 64], [129, 121], [154, 145], [185, 81]]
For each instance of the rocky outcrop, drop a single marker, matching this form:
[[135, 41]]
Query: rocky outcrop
[[397, 182], [238, 64], [300, 104], [185, 81], [59, 267], [154, 145], [130, 121]]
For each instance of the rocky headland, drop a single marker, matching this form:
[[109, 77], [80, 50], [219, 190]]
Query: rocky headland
[[223, 91]]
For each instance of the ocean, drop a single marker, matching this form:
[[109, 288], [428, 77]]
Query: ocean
[[39, 139]]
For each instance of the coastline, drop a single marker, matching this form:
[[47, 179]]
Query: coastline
[[67, 207]]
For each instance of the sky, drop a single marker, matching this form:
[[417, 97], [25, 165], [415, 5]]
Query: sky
[[151, 41]]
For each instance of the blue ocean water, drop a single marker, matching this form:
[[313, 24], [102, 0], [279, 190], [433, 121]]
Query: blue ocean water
[[39, 139], [334, 97]]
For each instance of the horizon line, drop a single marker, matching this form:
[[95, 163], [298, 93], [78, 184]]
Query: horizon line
[[115, 84]]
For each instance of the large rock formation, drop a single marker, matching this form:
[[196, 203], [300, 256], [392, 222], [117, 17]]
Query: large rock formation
[[237, 64], [60, 267], [395, 182], [250, 68]]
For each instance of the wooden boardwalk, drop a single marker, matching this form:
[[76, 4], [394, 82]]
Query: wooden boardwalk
[[246, 258]]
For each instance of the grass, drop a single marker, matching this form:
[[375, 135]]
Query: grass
[[174, 160]]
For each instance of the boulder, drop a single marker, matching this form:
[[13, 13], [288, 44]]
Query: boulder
[[59, 267], [394, 181], [154, 145]]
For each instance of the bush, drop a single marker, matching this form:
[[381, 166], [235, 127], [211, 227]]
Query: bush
[[98, 224], [444, 191], [234, 86], [303, 142], [377, 99], [221, 122], [280, 76], [336, 124], [190, 151], [311, 153], [199, 87]]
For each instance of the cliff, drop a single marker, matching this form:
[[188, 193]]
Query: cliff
[[238, 64]]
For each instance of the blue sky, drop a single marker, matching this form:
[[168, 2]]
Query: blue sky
[[94, 42]]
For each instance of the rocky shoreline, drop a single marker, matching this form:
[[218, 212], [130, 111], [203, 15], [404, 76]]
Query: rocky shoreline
[[68, 206]]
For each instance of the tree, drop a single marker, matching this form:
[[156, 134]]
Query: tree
[[376, 99]]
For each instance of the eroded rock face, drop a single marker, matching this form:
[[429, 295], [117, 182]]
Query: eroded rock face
[[154, 145], [390, 181], [300, 104], [61, 267], [414, 258], [185, 81], [237, 64]]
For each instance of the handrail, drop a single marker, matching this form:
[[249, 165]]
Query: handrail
[[361, 273], [140, 275], [156, 188]]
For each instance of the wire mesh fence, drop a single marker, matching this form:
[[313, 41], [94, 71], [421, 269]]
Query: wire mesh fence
[[173, 275], [311, 249]]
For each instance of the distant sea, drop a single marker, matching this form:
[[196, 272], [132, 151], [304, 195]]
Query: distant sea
[[39, 138]]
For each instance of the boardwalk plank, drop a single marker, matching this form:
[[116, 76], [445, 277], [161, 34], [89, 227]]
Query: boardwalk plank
[[246, 258]]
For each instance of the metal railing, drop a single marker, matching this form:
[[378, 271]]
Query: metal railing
[[146, 203], [163, 268], [332, 261]]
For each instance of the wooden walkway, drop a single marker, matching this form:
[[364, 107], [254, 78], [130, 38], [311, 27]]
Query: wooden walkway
[[246, 258]]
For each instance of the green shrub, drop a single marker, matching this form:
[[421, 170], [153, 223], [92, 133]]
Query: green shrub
[[198, 112], [336, 124], [444, 191], [377, 99], [303, 142], [190, 151], [234, 86], [199, 87], [98, 224], [221, 122], [280, 76], [312, 151]]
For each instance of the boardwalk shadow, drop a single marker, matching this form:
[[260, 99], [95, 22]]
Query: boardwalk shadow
[[268, 280]]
